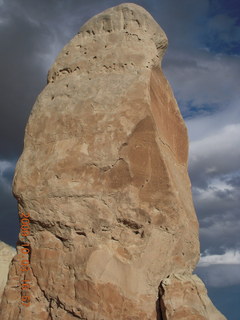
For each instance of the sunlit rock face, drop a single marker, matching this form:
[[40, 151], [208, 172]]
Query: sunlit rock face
[[6, 255], [104, 178], [184, 297]]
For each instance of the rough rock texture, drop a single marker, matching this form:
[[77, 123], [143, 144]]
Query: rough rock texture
[[6, 255], [185, 297], [104, 177]]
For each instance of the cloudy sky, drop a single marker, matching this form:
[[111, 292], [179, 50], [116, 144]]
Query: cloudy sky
[[203, 67]]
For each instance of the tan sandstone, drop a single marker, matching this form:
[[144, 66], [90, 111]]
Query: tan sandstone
[[6, 254], [184, 297], [104, 177]]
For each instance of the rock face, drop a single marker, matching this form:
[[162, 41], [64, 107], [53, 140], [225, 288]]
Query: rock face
[[6, 255], [185, 297], [104, 178]]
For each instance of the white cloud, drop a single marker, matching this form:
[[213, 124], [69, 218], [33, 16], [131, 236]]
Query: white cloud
[[220, 270], [214, 188], [229, 257], [5, 165]]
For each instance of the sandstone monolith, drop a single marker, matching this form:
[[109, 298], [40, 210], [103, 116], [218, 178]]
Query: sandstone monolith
[[104, 178]]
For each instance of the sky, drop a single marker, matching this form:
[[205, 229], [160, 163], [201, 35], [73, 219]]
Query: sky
[[202, 65]]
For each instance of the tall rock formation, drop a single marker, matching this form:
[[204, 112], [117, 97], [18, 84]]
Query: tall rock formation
[[104, 178], [6, 255]]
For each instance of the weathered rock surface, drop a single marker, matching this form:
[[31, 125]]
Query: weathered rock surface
[[104, 177], [184, 297], [6, 255]]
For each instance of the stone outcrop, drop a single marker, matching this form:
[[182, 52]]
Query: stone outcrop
[[104, 178], [6, 255], [185, 297]]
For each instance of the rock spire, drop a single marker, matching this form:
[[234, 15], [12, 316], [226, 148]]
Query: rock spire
[[103, 175]]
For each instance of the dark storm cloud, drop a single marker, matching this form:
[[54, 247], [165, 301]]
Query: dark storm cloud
[[234, 181], [22, 76]]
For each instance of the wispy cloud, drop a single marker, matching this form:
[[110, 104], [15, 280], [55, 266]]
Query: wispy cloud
[[229, 257], [6, 173], [220, 270]]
